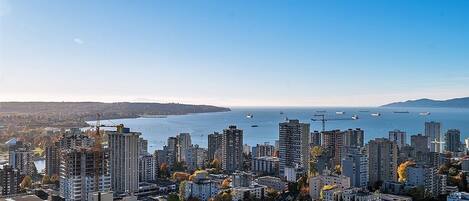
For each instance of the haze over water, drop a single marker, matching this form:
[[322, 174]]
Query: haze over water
[[157, 130]]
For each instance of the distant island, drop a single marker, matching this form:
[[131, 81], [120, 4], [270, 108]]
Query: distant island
[[70, 114], [450, 103]]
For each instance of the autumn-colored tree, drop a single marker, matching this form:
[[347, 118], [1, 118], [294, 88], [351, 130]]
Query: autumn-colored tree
[[164, 170], [54, 179], [338, 169], [180, 176], [191, 178], [46, 179], [225, 184], [401, 170], [215, 164], [315, 153], [26, 183], [325, 188]]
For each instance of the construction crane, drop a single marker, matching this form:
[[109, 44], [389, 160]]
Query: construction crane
[[98, 148], [322, 118]]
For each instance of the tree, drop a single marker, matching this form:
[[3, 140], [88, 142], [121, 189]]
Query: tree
[[338, 169], [215, 164], [164, 170], [179, 166], [26, 183], [173, 197], [271, 194], [316, 153], [180, 176], [55, 179], [182, 190], [401, 170], [46, 179], [225, 184], [193, 199], [225, 196], [453, 171]]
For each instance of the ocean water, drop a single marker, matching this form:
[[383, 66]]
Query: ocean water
[[157, 130]]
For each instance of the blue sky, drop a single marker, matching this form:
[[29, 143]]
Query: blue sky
[[234, 53]]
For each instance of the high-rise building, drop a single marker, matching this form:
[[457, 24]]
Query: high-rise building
[[143, 146], [433, 132], [399, 137], [419, 143], [293, 145], [355, 166], [172, 151], [10, 180], [147, 168], [333, 142], [52, 154], [382, 160], [74, 138], [196, 157], [246, 149], [21, 157], [315, 139], [84, 171], [426, 177], [354, 137], [161, 157], [232, 149], [124, 152], [184, 143], [263, 150], [453, 140], [214, 146]]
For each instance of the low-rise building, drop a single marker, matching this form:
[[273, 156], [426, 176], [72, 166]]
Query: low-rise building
[[241, 179], [317, 183], [458, 196], [390, 197], [201, 187], [393, 187], [272, 182], [253, 191], [265, 165]]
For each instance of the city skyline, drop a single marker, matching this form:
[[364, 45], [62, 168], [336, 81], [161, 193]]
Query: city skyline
[[239, 53]]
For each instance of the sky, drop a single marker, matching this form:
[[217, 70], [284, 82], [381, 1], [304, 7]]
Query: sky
[[234, 53]]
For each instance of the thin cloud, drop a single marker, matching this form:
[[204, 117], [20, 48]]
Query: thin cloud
[[78, 41]]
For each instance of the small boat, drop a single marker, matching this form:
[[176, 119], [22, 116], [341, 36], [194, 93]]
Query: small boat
[[376, 114], [424, 113], [401, 112], [281, 112], [254, 126], [355, 117], [249, 116], [340, 112]]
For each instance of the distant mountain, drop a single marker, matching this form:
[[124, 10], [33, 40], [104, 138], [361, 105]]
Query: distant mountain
[[107, 110], [75, 114], [450, 103]]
